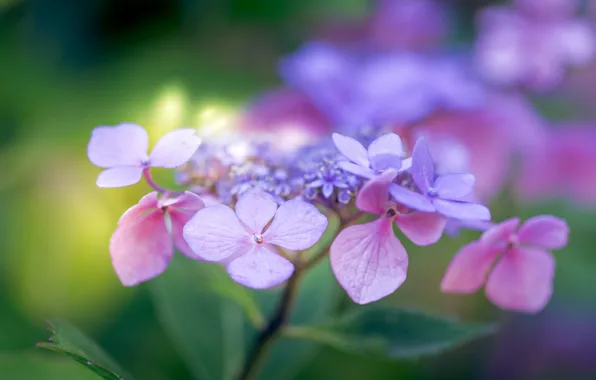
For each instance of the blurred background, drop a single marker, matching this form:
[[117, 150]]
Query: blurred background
[[68, 66]]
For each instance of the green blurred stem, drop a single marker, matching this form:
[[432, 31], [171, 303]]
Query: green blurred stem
[[273, 328], [315, 335]]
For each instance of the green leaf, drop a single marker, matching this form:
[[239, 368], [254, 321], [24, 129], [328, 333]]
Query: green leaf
[[207, 328], [37, 366], [393, 333], [314, 303], [70, 341]]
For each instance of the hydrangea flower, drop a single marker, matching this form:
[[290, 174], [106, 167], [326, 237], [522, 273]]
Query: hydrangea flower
[[383, 153], [522, 278], [143, 244], [367, 259], [122, 151], [443, 194], [245, 241]]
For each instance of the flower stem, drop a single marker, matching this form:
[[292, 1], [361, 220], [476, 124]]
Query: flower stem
[[149, 179], [273, 328]]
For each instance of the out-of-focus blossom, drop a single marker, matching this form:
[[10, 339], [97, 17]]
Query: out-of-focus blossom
[[547, 9], [243, 240], [122, 151], [443, 194], [367, 259], [144, 242], [564, 165], [383, 153], [522, 278], [517, 48]]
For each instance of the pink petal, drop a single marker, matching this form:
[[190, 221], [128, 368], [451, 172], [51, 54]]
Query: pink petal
[[120, 176], [385, 152], [499, 234], [422, 228], [373, 196], [260, 269], [411, 199], [368, 261], [467, 271], [352, 149], [215, 233], [423, 166], [255, 209], [141, 248], [356, 169], [147, 203], [297, 225], [122, 145], [454, 186], [544, 231], [174, 149], [522, 280], [462, 210], [180, 213]]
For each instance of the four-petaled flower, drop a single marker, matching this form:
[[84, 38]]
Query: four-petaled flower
[[383, 153], [522, 279], [443, 194], [368, 260], [244, 240], [122, 151], [141, 247]]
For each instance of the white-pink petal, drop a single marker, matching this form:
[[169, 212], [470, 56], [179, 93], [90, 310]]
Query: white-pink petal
[[351, 149], [215, 234], [120, 176], [500, 233], [141, 248], [122, 145], [260, 268], [147, 203], [422, 228], [374, 195], [468, 270], [522, 280], [297, 225], [174, 149], [544, 231], [255, 209], [368, 261]]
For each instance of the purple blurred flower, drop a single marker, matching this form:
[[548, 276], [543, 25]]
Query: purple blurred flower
[[122, 151], [243, 240], [443, 194], [385, 152], [522, 278]]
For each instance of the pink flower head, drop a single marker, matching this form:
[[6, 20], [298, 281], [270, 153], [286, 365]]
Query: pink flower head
[[522, 279], [141, 247], [385, 152], [443, 194], [368, 260], [244, 239], [122, 151]]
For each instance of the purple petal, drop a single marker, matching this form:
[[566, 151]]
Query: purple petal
[[454, 186], [327, 190], [544, 231], [422, 228], [522, 280], [174, 149], [122, 145], [255, 209], [215, 233], [411, 199], [297, 225], [499, 234], [368, 261], [423, 167], [260, 269], [461, 210], [120, 176], [467, 271], [352, 149], [385, 152], [374, 195], [141, 248], [356, 169]]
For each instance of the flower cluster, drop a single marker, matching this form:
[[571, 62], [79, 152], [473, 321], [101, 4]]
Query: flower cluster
[[255, 213]]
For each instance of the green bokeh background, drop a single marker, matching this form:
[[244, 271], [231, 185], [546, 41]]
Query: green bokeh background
[[68, 66]]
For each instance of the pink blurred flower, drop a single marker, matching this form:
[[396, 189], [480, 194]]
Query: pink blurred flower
[[368, 260], [143, 244], [522, 278], [245, 239], [122, 151]]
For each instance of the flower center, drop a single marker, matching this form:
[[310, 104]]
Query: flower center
[[257, 238], [391, 213], [513, 241], [432, 192]]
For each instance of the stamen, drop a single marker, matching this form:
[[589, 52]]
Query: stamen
[[257, 238]]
